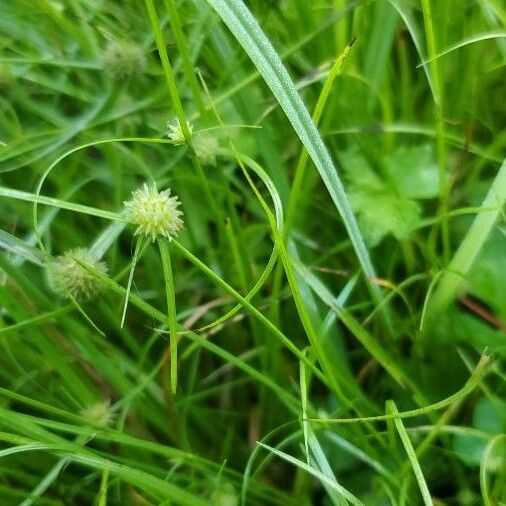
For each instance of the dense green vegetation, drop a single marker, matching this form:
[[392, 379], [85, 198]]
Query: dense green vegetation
[[328, 326]]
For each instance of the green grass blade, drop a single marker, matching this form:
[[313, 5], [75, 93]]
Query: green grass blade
[[20, 249], [167, 67], [247, 305], [249, 34], [62, 204], [486, 464], [171, 310], [417, 470], [317, 114], [470, 247], [135, 257], [471, 384], [372, 345], [346, 494], [501, 34]]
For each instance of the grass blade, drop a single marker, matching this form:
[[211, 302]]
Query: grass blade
[[501, 34], [171, 310], [470, 247], [314, 472], [424, 489], [249, 34]]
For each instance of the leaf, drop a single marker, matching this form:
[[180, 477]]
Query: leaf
[[414, 171], [490, 416], [456, 326], [382, 212], [469, 449], [387, 206]]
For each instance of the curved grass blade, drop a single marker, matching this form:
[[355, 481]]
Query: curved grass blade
[[473, 382], [158, 487], [251, 37], [323, 478], [486, 463], [501, 34], [408, 19]]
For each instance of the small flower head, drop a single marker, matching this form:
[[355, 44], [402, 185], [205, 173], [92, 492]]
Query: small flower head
[[175, 132], [101, 413], [206, 148], [70, 279], [155, 213], [123, 59], [225, 495]]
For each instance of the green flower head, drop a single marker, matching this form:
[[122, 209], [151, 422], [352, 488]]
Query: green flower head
[[69, 278], [155, 213], [101, 413], [175, 132], [206, 148], [123, 59]]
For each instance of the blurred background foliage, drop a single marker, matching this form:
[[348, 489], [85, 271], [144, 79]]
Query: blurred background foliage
[[74, 72]]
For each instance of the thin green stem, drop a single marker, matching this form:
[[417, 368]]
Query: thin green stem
[[175, 23], [130, 279], [444, 184], [167, 69], [408, 446], [252, 309], [171, 310], [304, 155]]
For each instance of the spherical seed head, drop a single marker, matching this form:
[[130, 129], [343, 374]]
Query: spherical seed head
[[69, 279], [466, 498], [225, 496], [206, 148], [123, 59], [101, 413], [155, 213], [175, 132]]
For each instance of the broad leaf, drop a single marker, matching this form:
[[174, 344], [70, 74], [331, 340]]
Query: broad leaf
[[386, 204]]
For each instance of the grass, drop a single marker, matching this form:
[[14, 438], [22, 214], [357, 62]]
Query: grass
[[329, 325]]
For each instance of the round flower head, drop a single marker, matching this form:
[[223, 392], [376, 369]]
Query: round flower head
[[123, 59], [206, 148], [175, 132], [101, 413], [68, 278], [155, 213], [225, 495]]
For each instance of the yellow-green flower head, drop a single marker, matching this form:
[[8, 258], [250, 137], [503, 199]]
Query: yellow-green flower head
[[123, 59], [175, 132], [101, 413], [225, 495], [70, 279], [206, 148], [155, 213]]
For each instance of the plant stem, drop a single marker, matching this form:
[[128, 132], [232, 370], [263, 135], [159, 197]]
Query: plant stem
[[171, 310]]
